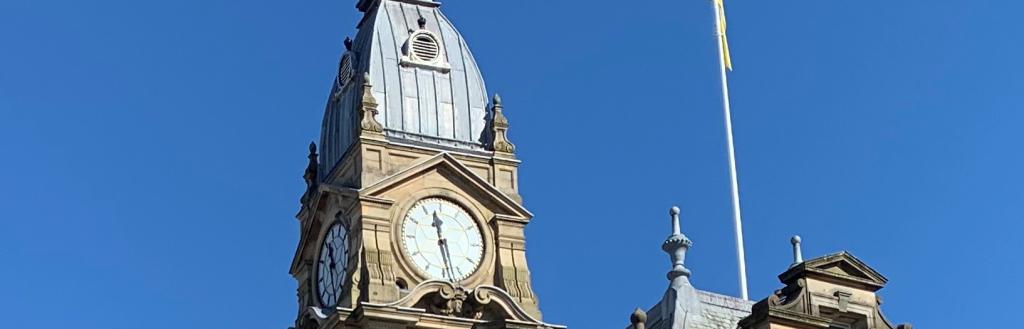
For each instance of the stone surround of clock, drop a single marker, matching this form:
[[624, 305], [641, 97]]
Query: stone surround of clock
[[441, 240], [332, 265], [412, 216]]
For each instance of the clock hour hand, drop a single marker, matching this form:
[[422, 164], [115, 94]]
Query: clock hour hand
[[437, 225], [442, 244]]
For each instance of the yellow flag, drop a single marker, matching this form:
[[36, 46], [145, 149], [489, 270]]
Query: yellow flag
[[722, 38]]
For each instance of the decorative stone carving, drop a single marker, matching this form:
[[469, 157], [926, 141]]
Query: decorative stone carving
[[369, 123], [638, 319], [311, 176], [676, 246], [484, 303], [508, 278], [843, 298], [450, 300], [499, 126], [822, 293], [523, 282]]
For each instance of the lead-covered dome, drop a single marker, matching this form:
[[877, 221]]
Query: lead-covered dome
[[425, 79]]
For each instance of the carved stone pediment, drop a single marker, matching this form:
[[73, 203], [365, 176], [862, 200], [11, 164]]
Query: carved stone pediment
[[432, 304], [483, 303], [837, 290], [445, 162], [840, 267]]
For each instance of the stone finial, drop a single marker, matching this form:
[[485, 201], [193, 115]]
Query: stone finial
[[798, 256], [674, 212], [348, 43], [676, 246], [311, 175], [311, 169], [638, 319], [499, 126], [423, 22], [369, 111]]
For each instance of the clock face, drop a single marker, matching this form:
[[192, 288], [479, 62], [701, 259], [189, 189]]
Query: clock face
[[442, 240], [332, 265]]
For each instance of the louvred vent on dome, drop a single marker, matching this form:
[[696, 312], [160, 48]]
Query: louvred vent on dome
[[425, 48]]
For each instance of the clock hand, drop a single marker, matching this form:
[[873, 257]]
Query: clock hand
[[437, 225], [330, 254], [442, 244], [332, 277]]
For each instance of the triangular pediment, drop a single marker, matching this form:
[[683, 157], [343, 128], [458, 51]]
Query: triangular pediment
[[841, 266], [444, 168]]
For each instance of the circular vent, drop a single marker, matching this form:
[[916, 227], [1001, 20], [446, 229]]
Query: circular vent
[[345, 71], [424, 47]]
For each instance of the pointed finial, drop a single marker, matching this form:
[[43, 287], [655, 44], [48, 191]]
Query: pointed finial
[[369, 123], [638, 319], [676, 246], [348, 43], [499, 127], [312, 167], [423, 22], [311, 176], [798, 256]]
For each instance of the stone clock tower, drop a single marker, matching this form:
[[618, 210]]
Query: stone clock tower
[[412, 217]]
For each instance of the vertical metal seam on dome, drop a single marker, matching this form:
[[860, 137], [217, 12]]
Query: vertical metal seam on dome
[[451, 90], [401, 84], [421, 97], [324, 139], [434, 74], [387, 30], [465, 72], [383, 101], [415, 74]]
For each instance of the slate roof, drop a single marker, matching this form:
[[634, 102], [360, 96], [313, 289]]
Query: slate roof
[[721, 311], [689, 308]]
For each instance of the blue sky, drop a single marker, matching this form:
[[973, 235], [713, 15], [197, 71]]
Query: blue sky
[[152, 151]]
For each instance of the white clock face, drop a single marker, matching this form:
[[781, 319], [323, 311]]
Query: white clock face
[[442, 240], [332, 265]]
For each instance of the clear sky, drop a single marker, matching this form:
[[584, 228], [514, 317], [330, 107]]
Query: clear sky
[[151, 152]]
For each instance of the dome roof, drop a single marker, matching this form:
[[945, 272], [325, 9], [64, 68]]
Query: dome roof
[[425, 79]]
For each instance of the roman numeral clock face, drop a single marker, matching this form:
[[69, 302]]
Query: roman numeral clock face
[[332, 265], [441, 240]]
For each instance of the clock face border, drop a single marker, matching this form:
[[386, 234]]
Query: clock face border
[[348, 265], [484, 273], [410, 249]]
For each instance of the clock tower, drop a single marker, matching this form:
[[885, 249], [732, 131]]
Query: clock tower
[[412, 216]]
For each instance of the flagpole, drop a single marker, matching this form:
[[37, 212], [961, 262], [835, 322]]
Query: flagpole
[[737, 215]]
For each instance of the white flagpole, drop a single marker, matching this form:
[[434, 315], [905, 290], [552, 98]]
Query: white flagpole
[[737, 215]]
